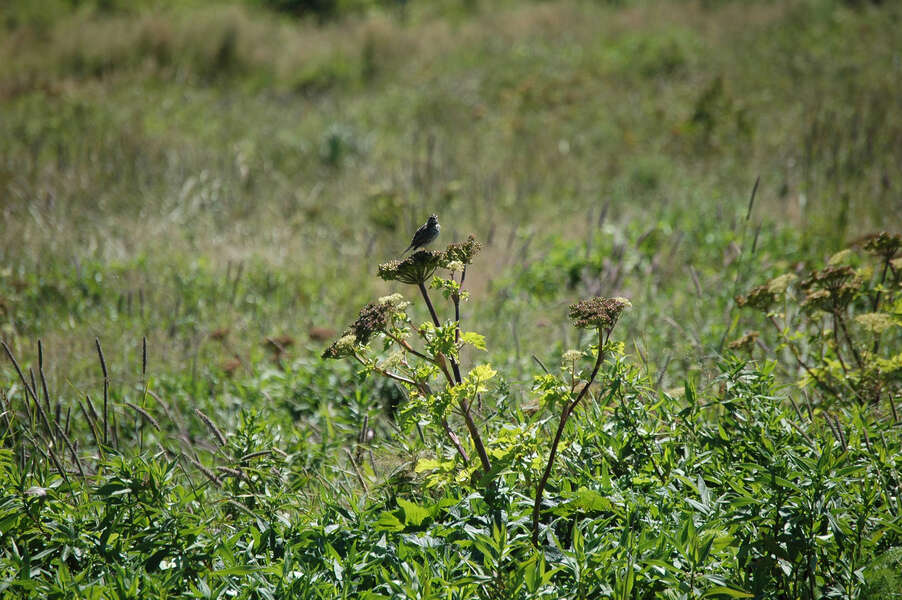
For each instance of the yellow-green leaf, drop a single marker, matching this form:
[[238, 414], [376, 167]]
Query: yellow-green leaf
[[474, 339]]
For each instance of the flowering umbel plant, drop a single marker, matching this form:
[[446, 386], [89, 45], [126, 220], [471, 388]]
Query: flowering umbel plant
[[462, 252], [425, 359], [841, 323], [441, 341]]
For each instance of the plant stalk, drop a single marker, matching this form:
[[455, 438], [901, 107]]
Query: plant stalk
[[565, 414], [464, 408]]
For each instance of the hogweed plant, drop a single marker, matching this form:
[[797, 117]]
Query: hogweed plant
[[425, 359], [841, 324], [600, 315], [441, 342]]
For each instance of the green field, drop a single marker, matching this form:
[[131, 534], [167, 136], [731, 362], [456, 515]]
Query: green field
[[195, 201]]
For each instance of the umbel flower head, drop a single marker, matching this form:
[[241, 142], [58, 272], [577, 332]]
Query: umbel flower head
[[373, 318], [761, 297], [343, 346], [884, 244], [463, 252], [416, 269], [420, 266], [831, 289], [831, 301], [598, 313], [876, 322], [829, 278]]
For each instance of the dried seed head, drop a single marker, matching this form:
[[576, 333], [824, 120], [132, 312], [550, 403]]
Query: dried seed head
[[818, 300], [463, 252], [846, 293], [373, 318], [416, 269], [746, 342], [831, 289], [598, 312], [829, 278], [883, 244], [343, 346], [760, 298]]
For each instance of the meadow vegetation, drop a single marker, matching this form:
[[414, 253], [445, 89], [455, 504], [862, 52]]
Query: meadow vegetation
[[656, 352]]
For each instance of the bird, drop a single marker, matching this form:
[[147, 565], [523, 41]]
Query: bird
[[426, 234]]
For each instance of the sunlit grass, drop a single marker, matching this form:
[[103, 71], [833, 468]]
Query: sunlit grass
[[223, 181]]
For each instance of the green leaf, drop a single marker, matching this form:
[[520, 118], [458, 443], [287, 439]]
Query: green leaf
[[241, 570], [389, 522], [481, 373], [431, 464], [725, 591], [413, 513], [474, 339], [590, 500]]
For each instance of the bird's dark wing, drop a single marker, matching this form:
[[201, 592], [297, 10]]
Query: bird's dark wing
[[420, 237]]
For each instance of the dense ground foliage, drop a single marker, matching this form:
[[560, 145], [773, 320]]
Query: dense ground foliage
[[196, 198]]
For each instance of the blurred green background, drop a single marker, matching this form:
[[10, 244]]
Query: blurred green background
[[179, 169]]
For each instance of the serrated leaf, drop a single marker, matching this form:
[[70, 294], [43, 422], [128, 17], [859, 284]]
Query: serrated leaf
[[431, 464], [474, 339], [591, 500], [413, 513], [481, 373], [389, 522]]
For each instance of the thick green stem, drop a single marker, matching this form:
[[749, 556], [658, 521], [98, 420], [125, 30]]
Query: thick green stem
[[432, 312]]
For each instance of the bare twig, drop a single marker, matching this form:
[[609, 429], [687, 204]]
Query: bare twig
[[540, 363], [357, 471]]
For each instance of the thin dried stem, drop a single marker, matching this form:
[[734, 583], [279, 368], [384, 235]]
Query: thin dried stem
[[91, 424], [106, 392], [465, 409], [406, 345], [842, 325], [147, 416], [29, 390], [357, 471]]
